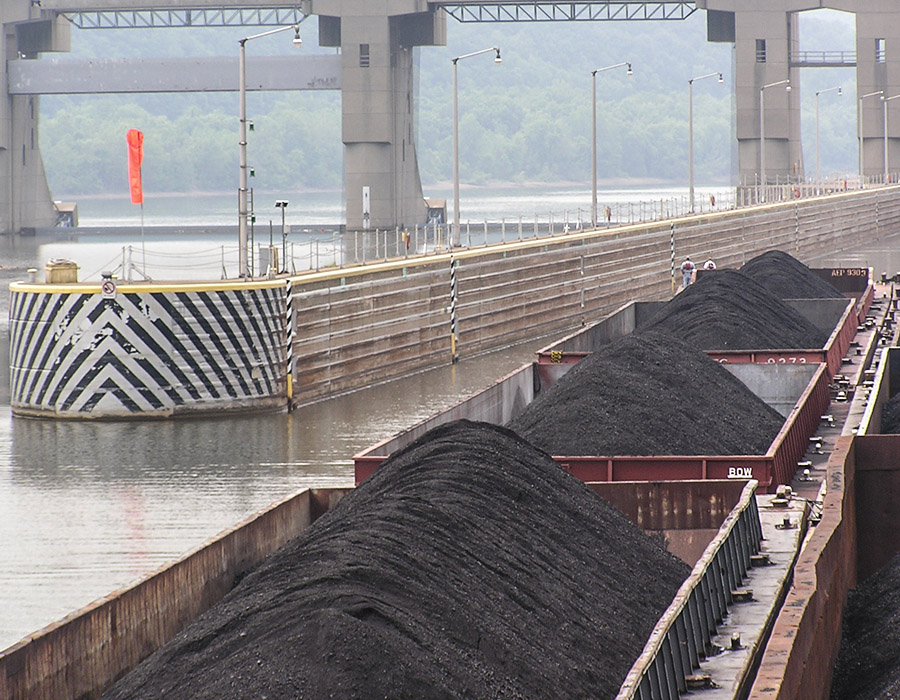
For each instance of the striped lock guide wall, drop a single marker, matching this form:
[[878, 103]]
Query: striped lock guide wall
[[149, 351], [454, 292]]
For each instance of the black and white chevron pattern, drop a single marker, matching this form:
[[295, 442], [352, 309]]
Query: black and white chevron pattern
[[147, 353], [290, 326]]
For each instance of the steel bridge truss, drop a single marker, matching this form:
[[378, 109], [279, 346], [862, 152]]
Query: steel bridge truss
[[597, 11], [209, 17], [534, 11]]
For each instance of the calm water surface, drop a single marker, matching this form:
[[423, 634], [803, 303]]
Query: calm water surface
[[86, 508]]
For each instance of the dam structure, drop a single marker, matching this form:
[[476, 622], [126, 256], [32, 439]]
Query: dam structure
[[118, 349], [123, 349], [376, 75]]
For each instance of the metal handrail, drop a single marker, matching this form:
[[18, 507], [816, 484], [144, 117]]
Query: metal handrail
[[828, 58], [552, 10], [684, 633]]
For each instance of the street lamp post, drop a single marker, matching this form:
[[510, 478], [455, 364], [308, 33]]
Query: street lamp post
[[840, 91], [859, 128], [887, 169], [762, 132], [243, 214], [454, 240], [282, 204], [629, 73], [691, 130]]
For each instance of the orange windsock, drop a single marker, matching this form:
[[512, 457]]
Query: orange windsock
[[135, 158]]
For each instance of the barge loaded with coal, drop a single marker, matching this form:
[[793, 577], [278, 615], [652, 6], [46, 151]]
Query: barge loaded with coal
[[668, 500]]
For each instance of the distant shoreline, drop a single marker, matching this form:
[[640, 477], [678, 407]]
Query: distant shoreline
[[531, 185]]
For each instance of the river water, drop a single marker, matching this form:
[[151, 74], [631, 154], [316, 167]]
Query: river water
[[86, 508]]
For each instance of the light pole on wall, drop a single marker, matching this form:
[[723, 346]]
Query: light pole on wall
[[762, 131], [282, 204], [840, 91], [629, 73], [887, 169], [454, 240], [691, 130], [859, 128], [243, 214]]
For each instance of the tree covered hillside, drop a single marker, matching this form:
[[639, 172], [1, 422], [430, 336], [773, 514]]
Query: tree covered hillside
[[526, 120]]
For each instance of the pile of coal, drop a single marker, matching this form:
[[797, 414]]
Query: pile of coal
[[648, 394], [867, 665], [788, 278], [890, 416], [468, 566], [729, 311]]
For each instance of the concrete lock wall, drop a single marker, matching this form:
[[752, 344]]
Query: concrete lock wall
[[380, 322], [165, 350]]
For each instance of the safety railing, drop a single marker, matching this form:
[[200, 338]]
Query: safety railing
[[683, 636], [823, 58], [299, 251]]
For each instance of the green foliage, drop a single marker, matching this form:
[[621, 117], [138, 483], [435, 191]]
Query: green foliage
[[526, 120]]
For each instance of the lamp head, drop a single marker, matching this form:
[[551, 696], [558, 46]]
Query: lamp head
[[281, 203], [721, 79], [840, 91], [787, 88], [497, 59], [297, 41], [629, 72]]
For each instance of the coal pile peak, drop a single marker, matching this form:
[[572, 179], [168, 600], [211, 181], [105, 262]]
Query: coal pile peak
[[788, 278], [728, 310], [648, 394], [890, 416], [469, 565], [867, 665]]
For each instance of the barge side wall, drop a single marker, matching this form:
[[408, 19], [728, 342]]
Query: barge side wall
[[83, 653], [800, 656]]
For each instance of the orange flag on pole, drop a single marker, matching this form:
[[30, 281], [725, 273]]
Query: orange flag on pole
[[135, 158]]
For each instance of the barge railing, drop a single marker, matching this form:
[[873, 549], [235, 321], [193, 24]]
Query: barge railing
[[683, 636]]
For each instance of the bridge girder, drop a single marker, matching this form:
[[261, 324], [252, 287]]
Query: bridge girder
[[197, 17], [624, 10], [148, 14]]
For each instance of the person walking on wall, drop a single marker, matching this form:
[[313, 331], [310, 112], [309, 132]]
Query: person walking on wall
[[687, 271]]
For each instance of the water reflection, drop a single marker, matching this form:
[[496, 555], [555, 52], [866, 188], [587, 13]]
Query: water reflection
[[87, 507]]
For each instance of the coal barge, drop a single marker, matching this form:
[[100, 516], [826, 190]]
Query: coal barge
[[738, 526]]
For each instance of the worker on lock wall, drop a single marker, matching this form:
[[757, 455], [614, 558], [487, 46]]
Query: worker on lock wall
[[687, 272]]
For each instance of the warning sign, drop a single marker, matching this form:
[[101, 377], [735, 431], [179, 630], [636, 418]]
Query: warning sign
[[108, 289]]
